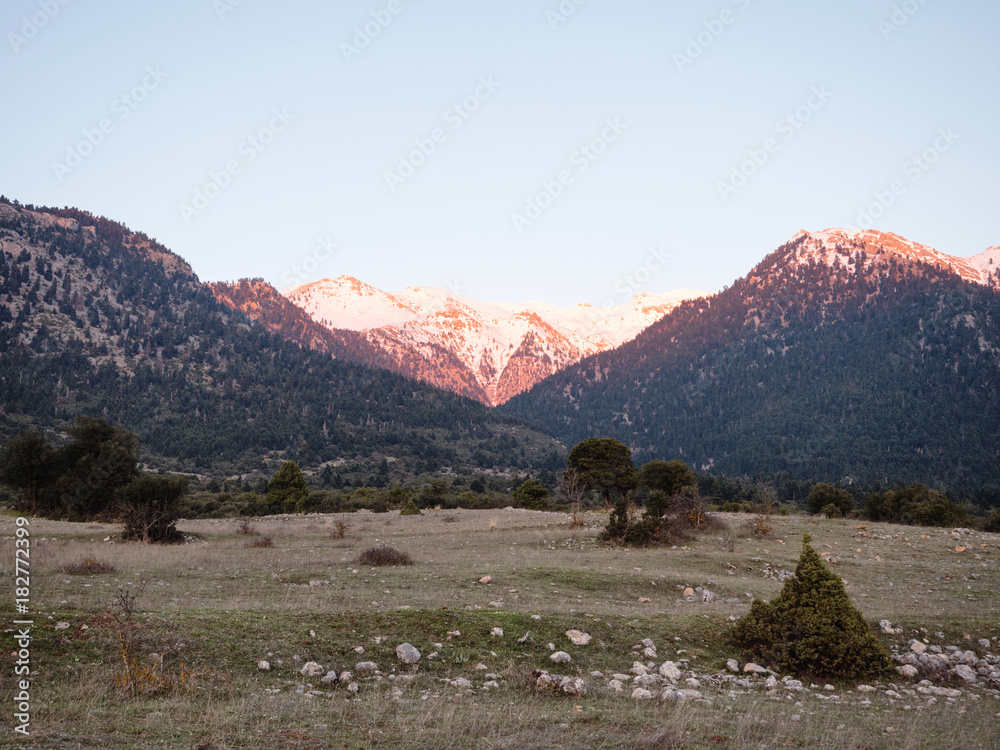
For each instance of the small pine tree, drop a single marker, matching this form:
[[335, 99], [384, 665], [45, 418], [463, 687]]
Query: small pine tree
[[812, 628]]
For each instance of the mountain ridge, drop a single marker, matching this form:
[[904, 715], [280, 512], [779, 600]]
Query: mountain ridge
[[504, 347]]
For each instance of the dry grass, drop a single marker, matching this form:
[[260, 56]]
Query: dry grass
[[88, 566], [217, 605], [261, 542]]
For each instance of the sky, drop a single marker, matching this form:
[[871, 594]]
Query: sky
[[560, 150]]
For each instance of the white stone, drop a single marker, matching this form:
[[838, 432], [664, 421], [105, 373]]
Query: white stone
[[407, 653], [461, 683], [907, 670], [578, 637], [312, 669], [264, 666], [561, 657], [751, 668], [918, 647], [62, 626], [732, 665], [965, 672], [670, 671], [498, 632], [366, 666], [641, 694]]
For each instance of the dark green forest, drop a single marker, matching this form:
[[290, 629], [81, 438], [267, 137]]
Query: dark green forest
[[109, 324], [888, 374]]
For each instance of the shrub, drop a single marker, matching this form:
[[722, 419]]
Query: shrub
[[824, 494], [811, 628], [532, 494], [261, 542], [246, 528], [410, 509], [149, 508], [831, 511], [915, 505], [384, 556], [992, 522], [287, 491], [87, 566]]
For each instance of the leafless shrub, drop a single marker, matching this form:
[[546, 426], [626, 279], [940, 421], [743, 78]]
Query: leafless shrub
[[245, 527], [384, 556], [449, 519], [763, 511], [339, 529], [87, 566], [572, 488], [259, 543]]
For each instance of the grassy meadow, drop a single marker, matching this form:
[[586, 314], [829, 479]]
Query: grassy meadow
[[223, 602]]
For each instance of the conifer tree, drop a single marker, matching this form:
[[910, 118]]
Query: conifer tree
[[812, 628]]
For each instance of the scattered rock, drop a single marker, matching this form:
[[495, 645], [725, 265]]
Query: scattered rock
[[312, 669], [366, 666], [407, 654], [641, 694], [578, 637], [345, 676], [751, 668], [558, 684], [353, 688], [771, 683], [644, 600], [486, 579], [917, 647], [965, 672], [498, 632], [461, 683], [732, 665], [561, 657], [62, 626], [670, 671], [648, 681], [329, 677], [264, 666]]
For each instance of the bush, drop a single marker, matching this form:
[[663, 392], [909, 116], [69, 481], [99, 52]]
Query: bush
[[532, 494], [915, 505], [811, 628], [409, 509], [831, 511], [87, 566], [261, 542], [149, 507], [384, 556], [824, 494], [991, 523]]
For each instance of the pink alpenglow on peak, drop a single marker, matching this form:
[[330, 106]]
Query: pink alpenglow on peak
[[983, 268], [506, 348]]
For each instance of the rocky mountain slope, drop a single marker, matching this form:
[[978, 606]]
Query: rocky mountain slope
[[855, 355], [96, 319], [488, 351]]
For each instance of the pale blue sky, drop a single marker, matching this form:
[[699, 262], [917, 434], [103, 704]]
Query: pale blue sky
[[886, 90]]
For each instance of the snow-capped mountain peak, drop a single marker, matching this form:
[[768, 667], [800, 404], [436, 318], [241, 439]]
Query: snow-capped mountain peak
[[840, 245], [506, 347]]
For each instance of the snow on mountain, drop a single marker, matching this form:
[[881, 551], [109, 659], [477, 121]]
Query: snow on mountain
[[506, 347], [830, 246]]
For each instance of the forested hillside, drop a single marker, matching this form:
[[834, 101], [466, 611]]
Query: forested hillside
[[858, 367], [96, 319]]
